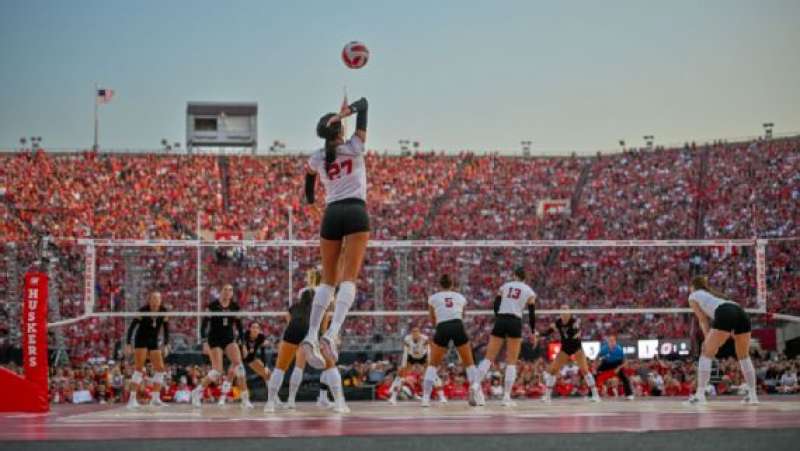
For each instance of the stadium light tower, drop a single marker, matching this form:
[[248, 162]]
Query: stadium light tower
[[404, 143], [526, 147], [768, 130], [648, 139], [622, 144]]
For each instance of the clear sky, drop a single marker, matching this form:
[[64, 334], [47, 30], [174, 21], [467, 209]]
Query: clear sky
[[575, 75]]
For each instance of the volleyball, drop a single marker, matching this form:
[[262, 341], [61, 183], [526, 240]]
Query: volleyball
[[355, 55]]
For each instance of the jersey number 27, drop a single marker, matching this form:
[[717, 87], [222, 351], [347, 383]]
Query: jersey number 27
[[335, 169]]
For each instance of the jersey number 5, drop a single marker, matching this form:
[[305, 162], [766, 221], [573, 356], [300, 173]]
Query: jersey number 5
[[335, 169], [448, 302]]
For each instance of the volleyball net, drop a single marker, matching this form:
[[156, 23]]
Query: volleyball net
[[598, 277]]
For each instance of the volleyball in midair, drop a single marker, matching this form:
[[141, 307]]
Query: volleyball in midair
[[355, 55]]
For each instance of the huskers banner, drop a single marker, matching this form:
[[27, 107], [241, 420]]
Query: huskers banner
[[34, 330]]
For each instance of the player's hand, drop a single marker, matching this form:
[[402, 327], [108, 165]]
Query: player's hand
[[128, 350], [335, 118], [206, 348], [345, 111]]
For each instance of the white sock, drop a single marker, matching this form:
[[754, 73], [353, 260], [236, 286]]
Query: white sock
[[334, 381], [483, 368], [322, 297], [395, 386], [508, 382], [749, 373], [245, 396], [226, 388], [472, 375], [155, 395], [549, 381], [294, 382], [428, 381], [703, 375], [344, 300], [589, 378], [275, 382]]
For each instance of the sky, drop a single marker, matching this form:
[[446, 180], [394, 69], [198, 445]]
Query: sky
[[454, 75]]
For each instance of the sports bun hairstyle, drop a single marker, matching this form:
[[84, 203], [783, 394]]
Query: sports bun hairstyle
[[519, 272], [329, 133], [445, 281]]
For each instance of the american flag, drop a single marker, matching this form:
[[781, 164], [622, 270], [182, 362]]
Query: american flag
[[104, 95]]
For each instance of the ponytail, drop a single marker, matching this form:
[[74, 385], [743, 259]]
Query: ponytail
[[701, 283], [330, 153]]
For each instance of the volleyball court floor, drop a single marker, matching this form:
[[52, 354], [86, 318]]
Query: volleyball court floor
[[379, 424]]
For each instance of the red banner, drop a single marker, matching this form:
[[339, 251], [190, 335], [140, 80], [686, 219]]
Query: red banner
[[34, 330]]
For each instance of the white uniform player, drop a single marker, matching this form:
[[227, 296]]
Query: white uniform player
[[514, 298], [416, 348], [707, 302], [346, 177], [448, 306]]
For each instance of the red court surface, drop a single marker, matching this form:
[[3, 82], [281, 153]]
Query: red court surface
[[95, 422]]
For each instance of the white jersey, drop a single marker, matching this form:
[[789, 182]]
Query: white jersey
[[707, 302], [447, 305], [346, 178], [514, 297], [416, 348]]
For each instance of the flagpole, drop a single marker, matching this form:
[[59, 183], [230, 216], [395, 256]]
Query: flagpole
[[95, 148]]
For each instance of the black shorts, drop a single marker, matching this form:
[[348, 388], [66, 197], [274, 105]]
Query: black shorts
[[417, 361], [219, 342], [295, 332], [145, 341], [570, 347], [344, 217], [448, 331], [507, 326], [731, 318]]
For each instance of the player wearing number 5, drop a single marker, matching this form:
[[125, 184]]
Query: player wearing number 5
[[345, 227], [447, 311], [511, 300]]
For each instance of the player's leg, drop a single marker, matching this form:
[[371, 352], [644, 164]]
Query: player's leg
[[352, 259], [467, 359], [157, 359], [286, 353], [583, 366], [238, 373], [139, 359], [436, 355], [714, 340], [329, 252], [492, 349], [742, 344], [213, 376], [513, 347], [296, 379], [550, 374]]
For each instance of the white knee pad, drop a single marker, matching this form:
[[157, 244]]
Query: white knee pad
[[158, 378], [240, 371], [323, 295], [347, 294], [136, 377], [213, 376]]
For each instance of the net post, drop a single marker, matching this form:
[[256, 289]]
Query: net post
[[199, 287], [291, 258], [761, 274]]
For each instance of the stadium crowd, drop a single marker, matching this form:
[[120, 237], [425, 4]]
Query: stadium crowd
[[736, 190]]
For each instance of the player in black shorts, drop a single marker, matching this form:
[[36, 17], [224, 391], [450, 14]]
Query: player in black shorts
[[720, 319], [219, 334], [344, 231], [143, 331], [252, 344], [288, 349], [569, 330]]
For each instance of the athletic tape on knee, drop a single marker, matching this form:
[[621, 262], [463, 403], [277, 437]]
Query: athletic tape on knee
[[136, 377], [430, 374], [213, 375], [158, 378], [322, 295]]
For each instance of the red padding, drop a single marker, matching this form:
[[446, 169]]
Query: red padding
[[19, 395]]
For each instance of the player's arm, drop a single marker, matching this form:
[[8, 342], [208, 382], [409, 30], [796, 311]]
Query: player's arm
[[359, 108], [165, 331], [701, 316], [550, 329], [496, 304], [134, 325], [204, 325], [432, 313], [311, 182], [576, 330], [531, 303]]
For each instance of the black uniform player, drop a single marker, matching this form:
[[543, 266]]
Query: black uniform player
[[143, 331], [219, 335], [569, 329], [252, 347]]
